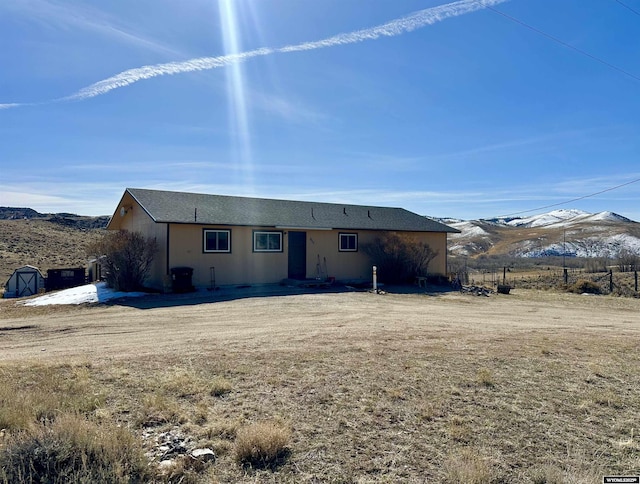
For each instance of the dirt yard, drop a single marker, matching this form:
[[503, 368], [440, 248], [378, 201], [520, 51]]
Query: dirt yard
[[527, 387]]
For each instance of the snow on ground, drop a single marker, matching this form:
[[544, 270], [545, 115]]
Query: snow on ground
[[467, 229], [91, 293], [610, 246], [608, 217], [555, 218]]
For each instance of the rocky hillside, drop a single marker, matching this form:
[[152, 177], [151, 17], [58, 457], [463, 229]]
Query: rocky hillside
[[66, 219], [571, 232]]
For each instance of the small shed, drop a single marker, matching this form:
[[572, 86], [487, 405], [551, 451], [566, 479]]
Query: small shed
[[65, 278], [25, 281]]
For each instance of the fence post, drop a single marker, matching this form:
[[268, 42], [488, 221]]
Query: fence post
[[610, 280], [636, 278]]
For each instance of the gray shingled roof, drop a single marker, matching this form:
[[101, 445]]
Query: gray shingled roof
[[179, 207]]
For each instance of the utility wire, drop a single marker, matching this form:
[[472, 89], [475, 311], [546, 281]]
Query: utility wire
[[555, 39], [627, 6], [593, 57], [573, 200]]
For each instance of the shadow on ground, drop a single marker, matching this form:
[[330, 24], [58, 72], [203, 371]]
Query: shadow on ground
[[220, 294]]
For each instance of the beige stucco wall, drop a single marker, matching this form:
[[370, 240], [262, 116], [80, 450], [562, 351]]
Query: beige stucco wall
[[240, 266], [243, 266], [358, 265]]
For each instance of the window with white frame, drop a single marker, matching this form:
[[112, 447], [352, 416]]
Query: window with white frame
[[216, 240], [348, 242], [267, 241]]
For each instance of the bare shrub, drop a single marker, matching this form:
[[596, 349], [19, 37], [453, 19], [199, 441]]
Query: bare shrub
[[73, 450], [126, 258], [628, 261], [263, 444], [596, 264], [399, 258], [583, 286]]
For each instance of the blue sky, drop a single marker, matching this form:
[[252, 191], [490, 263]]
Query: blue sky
[[448, 110]]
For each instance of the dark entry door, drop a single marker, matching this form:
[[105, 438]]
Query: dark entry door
[[297, 255]]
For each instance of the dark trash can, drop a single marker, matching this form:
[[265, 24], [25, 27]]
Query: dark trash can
[[181, 279]]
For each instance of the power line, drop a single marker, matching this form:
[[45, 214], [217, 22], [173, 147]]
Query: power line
[[627, 6], [573, 200], [555, 39]]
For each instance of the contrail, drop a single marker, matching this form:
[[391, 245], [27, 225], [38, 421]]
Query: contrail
[[414, 21]]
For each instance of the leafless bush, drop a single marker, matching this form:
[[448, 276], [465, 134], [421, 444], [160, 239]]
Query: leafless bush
[[126, 258], [585, 286], [596, 264], [628, 261], [399, 258]]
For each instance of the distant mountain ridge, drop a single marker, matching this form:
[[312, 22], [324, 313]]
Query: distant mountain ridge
[[66, 219], [561, 218], [573, 233]]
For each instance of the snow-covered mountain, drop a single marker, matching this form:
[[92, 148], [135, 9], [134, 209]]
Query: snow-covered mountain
[[571, 232], [562, 218]]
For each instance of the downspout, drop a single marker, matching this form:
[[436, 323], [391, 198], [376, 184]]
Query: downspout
[[167, 255], [166, 282], [446, 254]]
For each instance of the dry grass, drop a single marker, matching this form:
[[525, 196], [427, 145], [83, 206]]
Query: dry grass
[[530, 387], [72, 449], [262, 444]]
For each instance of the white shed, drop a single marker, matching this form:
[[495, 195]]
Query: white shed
[[25, 281]]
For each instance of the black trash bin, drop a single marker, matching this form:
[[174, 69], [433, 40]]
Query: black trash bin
[[181, 279]]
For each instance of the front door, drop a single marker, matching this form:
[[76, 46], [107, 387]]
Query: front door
[[297, 255]]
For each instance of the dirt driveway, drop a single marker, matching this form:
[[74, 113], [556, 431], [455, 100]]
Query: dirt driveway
[[190, 324]]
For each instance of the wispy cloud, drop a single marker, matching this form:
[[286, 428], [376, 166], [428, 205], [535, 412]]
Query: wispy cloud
[[67, 196], [12, 105], [547, 141], [414, 21], [50, 13]]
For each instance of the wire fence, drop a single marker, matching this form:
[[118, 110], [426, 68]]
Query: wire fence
[[574, 280]]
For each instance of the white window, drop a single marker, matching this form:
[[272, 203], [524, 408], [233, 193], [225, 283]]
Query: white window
[[217, 240], [267, 241], [348, 242]]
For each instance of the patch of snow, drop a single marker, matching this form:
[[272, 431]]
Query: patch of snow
[[555, 217], [608, 217], [447, 220], [459, 249], [90, 293], [590, 247], [467, 229]]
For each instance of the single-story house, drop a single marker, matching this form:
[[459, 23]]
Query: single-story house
[[242, 240], [25, 281]]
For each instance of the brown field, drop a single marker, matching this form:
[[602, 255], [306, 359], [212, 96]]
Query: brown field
[[533, 387], [43, 244]]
